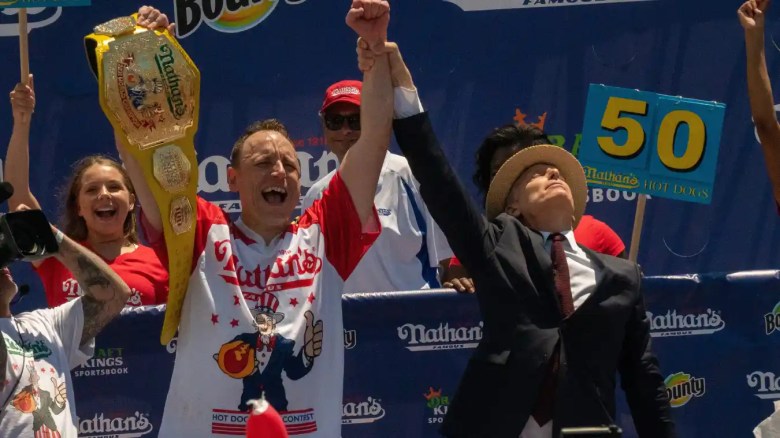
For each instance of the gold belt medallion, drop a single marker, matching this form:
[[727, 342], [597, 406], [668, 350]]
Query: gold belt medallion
[[150, 90]]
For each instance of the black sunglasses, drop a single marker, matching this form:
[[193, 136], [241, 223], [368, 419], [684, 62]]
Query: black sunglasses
[[334, 122]]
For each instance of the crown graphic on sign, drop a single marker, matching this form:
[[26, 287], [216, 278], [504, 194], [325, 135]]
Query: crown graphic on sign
[[520, 119], [432, 393]]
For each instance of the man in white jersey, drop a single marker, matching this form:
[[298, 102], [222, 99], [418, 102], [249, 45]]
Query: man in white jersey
[[39, 348], [411, 246], [262, 266]]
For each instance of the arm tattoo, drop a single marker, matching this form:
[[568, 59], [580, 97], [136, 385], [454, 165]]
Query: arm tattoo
[[96, 317], [104, 292], [91, 275]]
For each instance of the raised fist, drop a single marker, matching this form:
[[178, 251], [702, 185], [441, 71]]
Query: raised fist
[[23, 100], [752, 14], [369, 19], [312, 337]]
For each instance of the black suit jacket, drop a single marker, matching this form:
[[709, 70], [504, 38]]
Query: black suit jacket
[[609, 333]]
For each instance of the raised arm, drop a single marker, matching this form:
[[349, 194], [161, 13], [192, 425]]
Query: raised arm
[[17, 158], [363, 162], [441, 189], [105, 293], [142, 191], [752, 16]]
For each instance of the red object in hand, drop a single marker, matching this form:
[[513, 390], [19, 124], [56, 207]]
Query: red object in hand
[[264, 421]]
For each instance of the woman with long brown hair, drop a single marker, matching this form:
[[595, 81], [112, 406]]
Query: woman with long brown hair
[[98, 211]]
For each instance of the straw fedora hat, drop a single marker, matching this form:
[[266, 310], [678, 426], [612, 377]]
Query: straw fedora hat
[[570, 169]]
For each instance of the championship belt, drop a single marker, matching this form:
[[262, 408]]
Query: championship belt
[[149, 90]]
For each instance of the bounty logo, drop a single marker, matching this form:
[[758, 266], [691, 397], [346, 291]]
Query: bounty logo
[[418, 337], [682, 387], [767, 384], [362, 412], [772, 320], [36, 18], [673, 324], [105, 362], [437, 403], [101, 426], [489, 5], [229, 16]]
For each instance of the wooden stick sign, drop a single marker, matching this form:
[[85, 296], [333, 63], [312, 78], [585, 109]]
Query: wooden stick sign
[[651, 144]]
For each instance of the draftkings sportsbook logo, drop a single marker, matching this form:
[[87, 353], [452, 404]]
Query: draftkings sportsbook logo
[[419, 337], [682, 387], [766, 384], [105, 362], [772, 320], [673, 324], [438, 405], [362, 412], [102, 426]]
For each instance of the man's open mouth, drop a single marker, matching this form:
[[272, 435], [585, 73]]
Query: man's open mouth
[[275, 195]]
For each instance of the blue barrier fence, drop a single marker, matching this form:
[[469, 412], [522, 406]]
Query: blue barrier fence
[[717, 337]]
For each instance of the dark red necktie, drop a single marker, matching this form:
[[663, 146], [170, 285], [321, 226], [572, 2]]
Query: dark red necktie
[[561, 274], [544, 405]]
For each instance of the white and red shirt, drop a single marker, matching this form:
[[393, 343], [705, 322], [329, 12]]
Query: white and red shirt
[[407, 253], [141, 269], [296, 280]]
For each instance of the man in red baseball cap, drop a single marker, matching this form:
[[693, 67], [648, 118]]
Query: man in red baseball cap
[[408, 252]]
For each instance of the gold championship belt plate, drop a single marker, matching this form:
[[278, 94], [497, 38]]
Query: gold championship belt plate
[[150, 90]]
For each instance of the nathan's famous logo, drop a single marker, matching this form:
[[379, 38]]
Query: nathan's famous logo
[[682, 387], [165, 60], [419, 337], [437, 403], [228, 16], [37, 349], [673, 324], [362, 412], [100, 426], [299, 267], [610, 178], [350, 339], [105, 362], [772, 320], [766, 383], [487, 5]]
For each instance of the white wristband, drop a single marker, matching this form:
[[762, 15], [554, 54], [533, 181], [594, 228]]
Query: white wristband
[[58, 236]]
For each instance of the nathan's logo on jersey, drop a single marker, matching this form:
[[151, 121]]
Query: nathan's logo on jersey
[[673, 324], [229, 16], [419, 337], [489, 5], [103, 426], [437, 403], [682, 387], [350, 339], [290, 271], [71, 289], [766, 384], [362, 412], [36, 349], [105, 362], [772, 320]]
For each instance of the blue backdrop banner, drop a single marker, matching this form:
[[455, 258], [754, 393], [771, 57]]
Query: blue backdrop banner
[[716, 338]]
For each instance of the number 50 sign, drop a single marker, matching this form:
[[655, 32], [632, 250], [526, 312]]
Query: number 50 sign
[[651, 143]]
